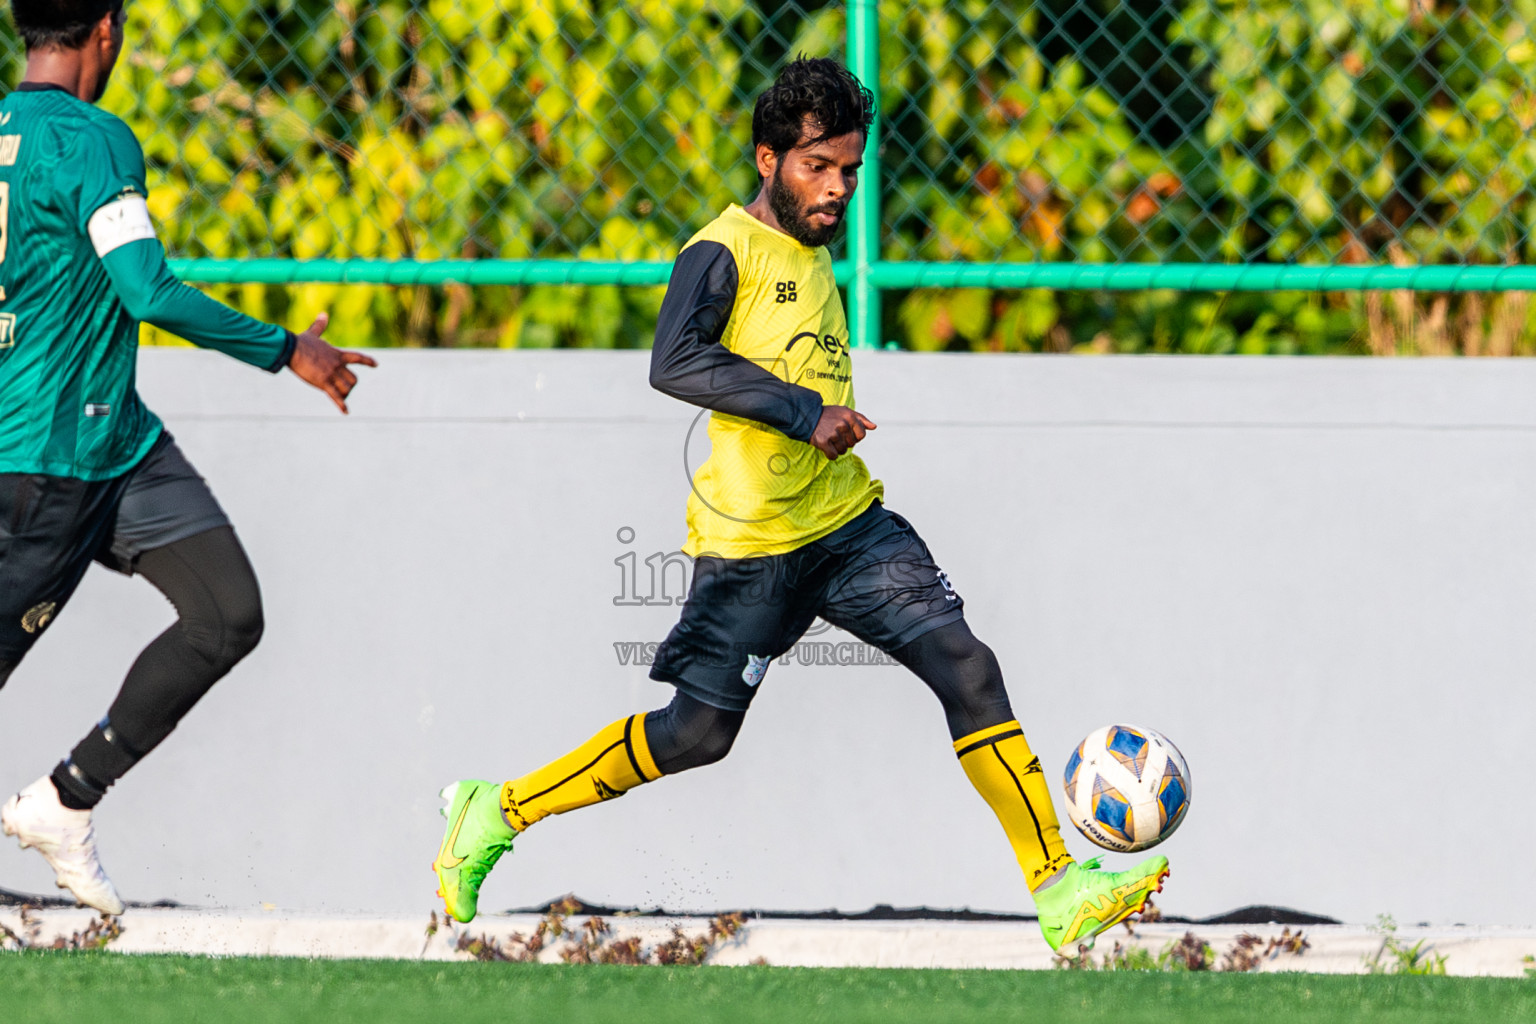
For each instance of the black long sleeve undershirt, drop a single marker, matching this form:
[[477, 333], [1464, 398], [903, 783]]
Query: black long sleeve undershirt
[[688, 362]]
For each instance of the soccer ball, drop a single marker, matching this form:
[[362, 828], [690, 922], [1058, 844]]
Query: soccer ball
[[1127, 787]]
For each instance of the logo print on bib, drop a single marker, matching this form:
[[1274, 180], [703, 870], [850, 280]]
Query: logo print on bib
[[831, 345], [757, 667], [37, 618]]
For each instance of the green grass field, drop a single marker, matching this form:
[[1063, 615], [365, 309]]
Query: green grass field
[[42, 988]]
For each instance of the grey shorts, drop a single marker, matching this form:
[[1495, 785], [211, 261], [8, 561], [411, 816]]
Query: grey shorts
[[166, 500]]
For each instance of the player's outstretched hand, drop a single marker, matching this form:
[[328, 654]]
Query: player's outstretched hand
[[321, 364], [839, 429]]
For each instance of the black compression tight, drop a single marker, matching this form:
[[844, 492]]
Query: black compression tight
[[688, 733], [213, 588], [963, 673]]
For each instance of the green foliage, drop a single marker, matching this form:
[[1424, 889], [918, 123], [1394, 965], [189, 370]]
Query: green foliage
[[1196, 130], [431, 129], [1212, 130], [1393, 957]]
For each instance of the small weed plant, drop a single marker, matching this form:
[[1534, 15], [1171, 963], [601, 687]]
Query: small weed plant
[[1248, 952], [593, 941], [1394, 957]]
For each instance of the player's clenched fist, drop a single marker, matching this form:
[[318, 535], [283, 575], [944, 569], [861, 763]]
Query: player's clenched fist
[[318, 362], [839, 429]]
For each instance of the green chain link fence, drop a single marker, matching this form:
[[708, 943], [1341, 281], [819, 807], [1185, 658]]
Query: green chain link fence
[[1163, 175]]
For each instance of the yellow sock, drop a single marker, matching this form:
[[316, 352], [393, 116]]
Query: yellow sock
[[999, 764], [609, 764]]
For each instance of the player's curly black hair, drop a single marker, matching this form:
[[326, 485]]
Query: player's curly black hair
[[63, 24], [836, 102]]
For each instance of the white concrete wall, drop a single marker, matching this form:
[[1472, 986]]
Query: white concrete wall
[[1317, 576]]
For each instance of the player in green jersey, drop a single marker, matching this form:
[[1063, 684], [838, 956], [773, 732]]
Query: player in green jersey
[[87, 473]]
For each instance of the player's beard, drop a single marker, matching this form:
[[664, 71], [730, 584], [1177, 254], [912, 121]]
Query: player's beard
[[795, 221]]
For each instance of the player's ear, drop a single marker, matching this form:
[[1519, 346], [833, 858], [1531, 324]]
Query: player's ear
[[103, 38], [767, 160], [107, 38]]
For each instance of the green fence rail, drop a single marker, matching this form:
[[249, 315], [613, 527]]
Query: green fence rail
[[1253, 277], [1177, 175]]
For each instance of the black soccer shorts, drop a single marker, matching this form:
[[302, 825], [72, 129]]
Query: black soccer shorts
[[52, 528], [873, 577]]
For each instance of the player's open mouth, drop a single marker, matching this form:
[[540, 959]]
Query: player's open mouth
[[827, 218]]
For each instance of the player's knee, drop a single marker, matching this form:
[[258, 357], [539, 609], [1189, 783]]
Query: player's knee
[[963, 673], [228, 627], [246, 624], [691, 734], [715, 743]]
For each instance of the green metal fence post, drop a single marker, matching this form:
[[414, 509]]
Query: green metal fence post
[[864, 215]]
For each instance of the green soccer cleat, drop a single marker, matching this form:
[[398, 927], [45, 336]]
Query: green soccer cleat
[[1087, 901], [477, 837]]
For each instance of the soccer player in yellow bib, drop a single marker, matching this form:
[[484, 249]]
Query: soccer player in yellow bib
[[785, 524]]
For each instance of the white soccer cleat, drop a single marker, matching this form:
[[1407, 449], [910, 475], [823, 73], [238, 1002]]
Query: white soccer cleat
[[67, 841]]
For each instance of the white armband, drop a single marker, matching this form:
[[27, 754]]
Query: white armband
[[123, 220]]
